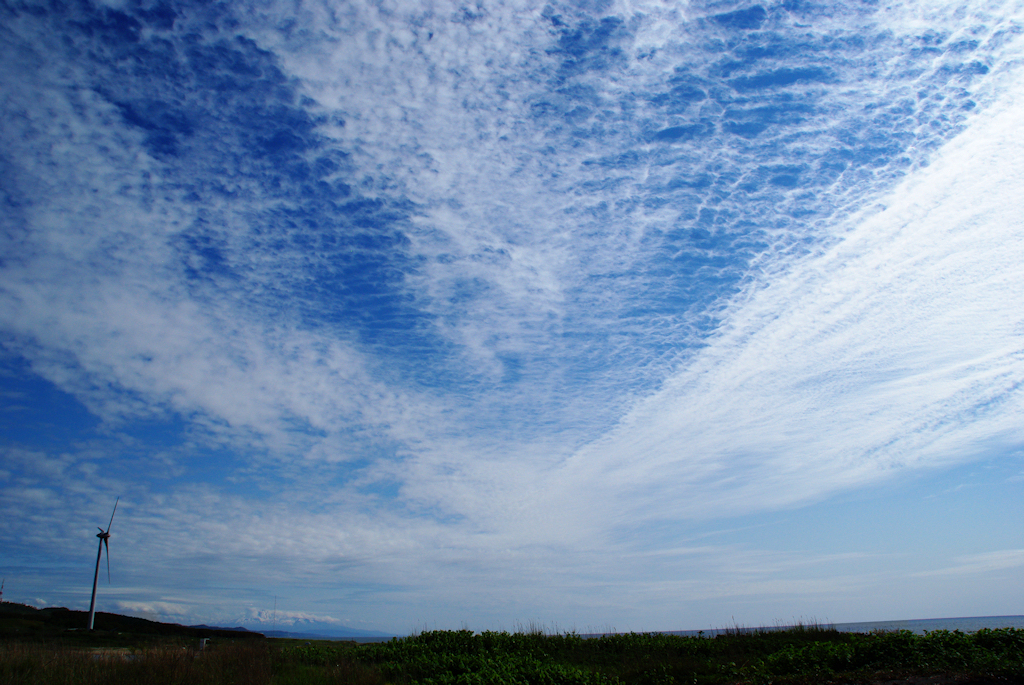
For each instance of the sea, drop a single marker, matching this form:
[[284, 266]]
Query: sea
[[920, 626], [926, 625]]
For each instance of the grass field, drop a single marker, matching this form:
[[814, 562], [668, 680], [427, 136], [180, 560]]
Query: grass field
[[798, 656]]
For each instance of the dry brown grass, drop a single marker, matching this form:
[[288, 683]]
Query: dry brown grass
[[244, 663]]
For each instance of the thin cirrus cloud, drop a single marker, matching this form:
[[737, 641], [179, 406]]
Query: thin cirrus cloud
[[982, 563], [897, 347], [393, 295]]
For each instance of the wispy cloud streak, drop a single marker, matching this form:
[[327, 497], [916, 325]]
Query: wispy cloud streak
[[898, 347]]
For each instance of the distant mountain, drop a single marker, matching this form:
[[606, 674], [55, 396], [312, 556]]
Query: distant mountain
[[341, 632], [239, 629]]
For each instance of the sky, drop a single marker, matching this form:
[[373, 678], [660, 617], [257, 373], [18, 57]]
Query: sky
[[595, 315]]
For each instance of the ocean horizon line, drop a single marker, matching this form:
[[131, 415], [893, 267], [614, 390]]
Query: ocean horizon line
[[919, 626]]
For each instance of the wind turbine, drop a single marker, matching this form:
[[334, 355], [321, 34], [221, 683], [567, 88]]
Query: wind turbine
[[103, 535]]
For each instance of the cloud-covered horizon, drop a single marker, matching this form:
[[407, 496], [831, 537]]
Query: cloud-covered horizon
[[437, 313]]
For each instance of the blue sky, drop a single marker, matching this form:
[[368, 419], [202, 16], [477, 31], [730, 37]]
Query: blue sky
[[593, 315]]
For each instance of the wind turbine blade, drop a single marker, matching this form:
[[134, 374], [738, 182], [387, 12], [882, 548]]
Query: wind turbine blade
[[106, 544], [112, 514]]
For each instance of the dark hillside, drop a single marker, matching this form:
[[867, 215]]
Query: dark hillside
[[20, 622]]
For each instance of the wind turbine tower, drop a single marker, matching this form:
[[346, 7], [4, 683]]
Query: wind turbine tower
[[104, 536]]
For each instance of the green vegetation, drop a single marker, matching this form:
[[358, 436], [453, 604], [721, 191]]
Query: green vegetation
[[800, 655], [797, 656]]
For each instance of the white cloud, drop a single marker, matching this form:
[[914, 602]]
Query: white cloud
[[264, 618], [156, 611], [980, 563], [855, 348], [899, 346]]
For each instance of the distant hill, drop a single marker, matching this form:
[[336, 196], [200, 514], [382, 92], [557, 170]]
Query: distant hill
[[236, 629], [342, 633], [22, 620]]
